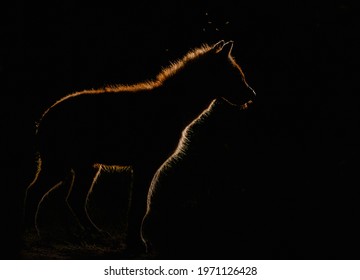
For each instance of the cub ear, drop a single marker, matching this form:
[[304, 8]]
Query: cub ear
[[227, 48], [218, 46]]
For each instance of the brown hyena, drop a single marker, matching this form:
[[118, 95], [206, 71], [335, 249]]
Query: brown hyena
[[136, 126]]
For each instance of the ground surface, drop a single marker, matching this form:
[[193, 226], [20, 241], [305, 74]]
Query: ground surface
[[62, 239], [106, 248]]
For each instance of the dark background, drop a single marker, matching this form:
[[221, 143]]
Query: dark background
[[301, 58]]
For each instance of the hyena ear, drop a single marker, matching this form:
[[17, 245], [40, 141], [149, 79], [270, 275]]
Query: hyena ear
[[227, 48], [218, 46]]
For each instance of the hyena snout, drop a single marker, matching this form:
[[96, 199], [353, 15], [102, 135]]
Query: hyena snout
[[244, 98], [249, 93], [252, 93]]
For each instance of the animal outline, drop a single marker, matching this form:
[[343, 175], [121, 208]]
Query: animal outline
[[128, 126]]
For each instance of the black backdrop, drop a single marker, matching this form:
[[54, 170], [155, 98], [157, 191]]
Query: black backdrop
[[300, 58]]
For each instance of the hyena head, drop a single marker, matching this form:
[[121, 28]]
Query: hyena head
[[231, 84], [224, 77]]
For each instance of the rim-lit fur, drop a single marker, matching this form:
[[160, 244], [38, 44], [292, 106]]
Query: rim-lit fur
[[91, 131]]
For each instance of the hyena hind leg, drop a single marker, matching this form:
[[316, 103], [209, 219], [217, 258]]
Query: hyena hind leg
[[48, 178], [78, 195]]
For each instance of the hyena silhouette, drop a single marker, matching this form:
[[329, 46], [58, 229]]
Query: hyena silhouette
[[136, 126]]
